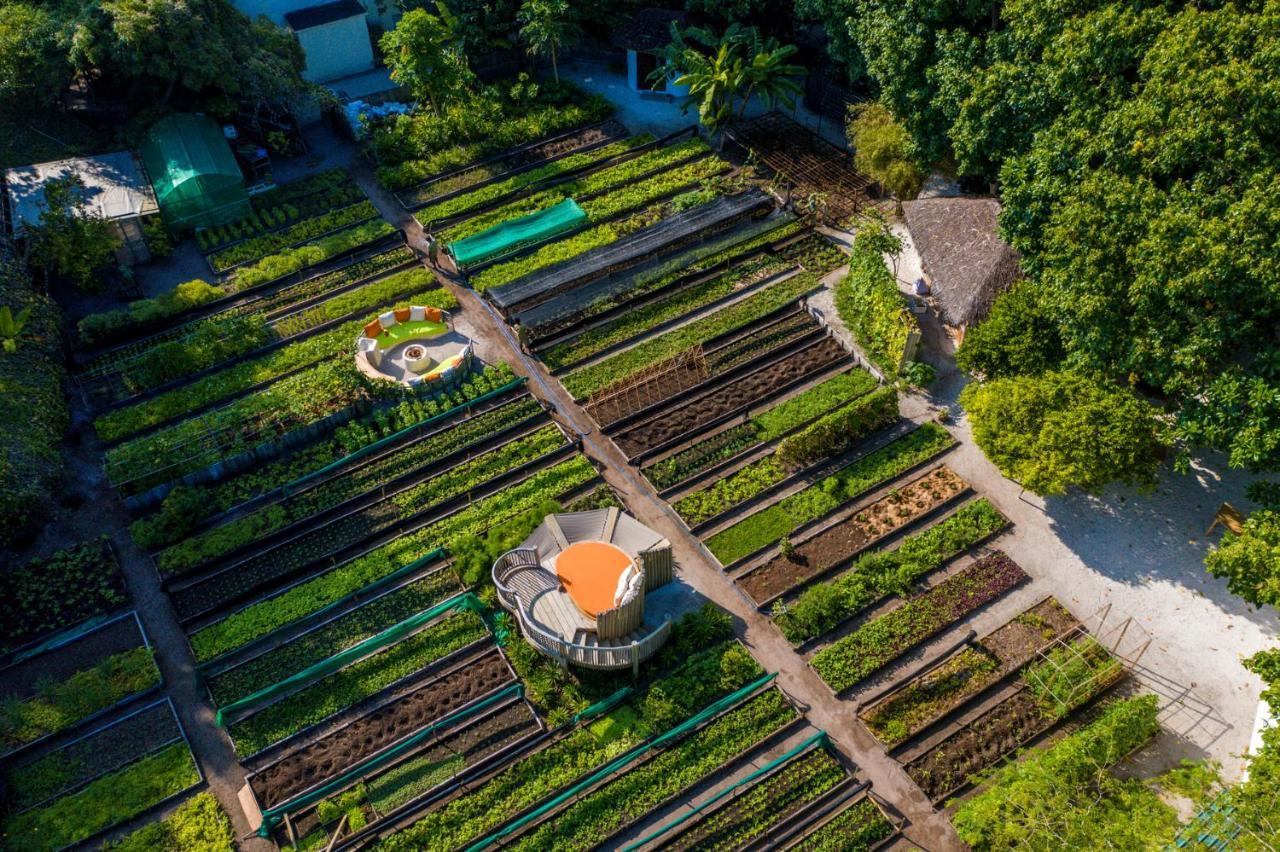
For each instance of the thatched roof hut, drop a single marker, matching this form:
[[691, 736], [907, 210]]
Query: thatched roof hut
[[961, 251]]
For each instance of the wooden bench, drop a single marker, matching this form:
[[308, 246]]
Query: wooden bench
[[1227, 516]]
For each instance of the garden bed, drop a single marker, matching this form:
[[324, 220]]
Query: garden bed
[[920, 702], [860, 827], [279, 207], [788, 516], [835, 545], [72, 683], [300, 769], [723, 402], [879, 642]]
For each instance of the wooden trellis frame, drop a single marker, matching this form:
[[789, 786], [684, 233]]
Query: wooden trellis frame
[[650, 386]]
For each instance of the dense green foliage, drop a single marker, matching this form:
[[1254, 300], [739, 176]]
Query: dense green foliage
[[1057, 430], [1019, 336], [1066, 796], [32, 408], [883, 150], [838, 431], [871, 306], [96, 328], [58, 591], [199, 825], [1251, 560]]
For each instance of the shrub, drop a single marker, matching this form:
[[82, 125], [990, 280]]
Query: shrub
[[100, 327], [1019, 336], [1251, 560], [872, 308]]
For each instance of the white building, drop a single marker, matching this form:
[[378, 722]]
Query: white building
[[334, 35]]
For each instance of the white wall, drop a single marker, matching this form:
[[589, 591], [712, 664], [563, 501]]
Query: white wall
[[336, 50]]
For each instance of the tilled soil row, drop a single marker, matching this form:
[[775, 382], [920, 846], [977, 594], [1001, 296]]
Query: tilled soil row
[[688, 419], [329, 755]]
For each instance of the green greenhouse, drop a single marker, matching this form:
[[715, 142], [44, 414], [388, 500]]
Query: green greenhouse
[[197, 181]]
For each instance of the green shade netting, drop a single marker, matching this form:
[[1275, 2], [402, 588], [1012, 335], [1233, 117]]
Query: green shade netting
[[516, 232], [197, 181]]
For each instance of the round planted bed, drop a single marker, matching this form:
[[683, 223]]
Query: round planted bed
[[413, 345]]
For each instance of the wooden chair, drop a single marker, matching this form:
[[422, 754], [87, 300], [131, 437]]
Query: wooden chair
[[1227, 516]]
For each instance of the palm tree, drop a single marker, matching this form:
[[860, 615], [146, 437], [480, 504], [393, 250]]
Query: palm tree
[[546, 28]]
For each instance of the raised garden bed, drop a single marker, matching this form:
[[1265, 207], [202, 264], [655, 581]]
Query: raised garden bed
[[823, 497], [722, 402], [272, 612], [198, 823], [878, 574], [858, 828], [68, 684], [979, 744], [354, 683], [289, 261], [754, 810], [51, 594], [928, 697], [301, 231], [296, 553], [326, 757], [286, 203], [835, 545], [882, 640]]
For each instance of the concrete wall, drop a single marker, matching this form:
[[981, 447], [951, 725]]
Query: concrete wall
[[336, 50]]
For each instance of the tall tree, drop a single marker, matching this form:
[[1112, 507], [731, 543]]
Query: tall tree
[[71, 241], [424, 55], [883, 151], [547, 27], [33, 66]]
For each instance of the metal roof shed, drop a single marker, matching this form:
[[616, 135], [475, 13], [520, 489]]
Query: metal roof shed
[[194, 173]]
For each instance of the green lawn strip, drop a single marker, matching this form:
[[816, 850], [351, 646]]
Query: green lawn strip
[[828, 494], [198, 825], [878, 642], [633, 198], [354, 683], [107, 801], [704, 677], [767, 803], [902, 715], [856, 829], [854, 420], [261, 618], [765, 426], [60, 705], [262, 245], [636, 322], [244, 529], [478, 197], [186, 506], [237, 378], [288, 261], [582, 383], [824, 606], [625, 799], [648, 161], [337, 635], [350, 530]]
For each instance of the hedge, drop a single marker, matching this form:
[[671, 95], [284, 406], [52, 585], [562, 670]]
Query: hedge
[[873, 309]]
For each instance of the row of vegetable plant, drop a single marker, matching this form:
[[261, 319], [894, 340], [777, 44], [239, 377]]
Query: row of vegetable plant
[[60, 704], [268, 565], [838, 431], [254, 248], [459, 204], [207, 390], [285, 203], [592, 819], [290, 260], [53, 593], [768, 425], [595, 182], [354, 683], [337, 635], [855, 829], [827, 494], [185, 507], [587, 380], [643, 199], [701, 679], [766, 804], [198, 824], [823, 607], [876, 644], [262, 617], [246, 528], [244, 424], [106, 802]]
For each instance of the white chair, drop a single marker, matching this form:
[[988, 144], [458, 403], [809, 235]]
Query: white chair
[[417, 313], [387, 320], [368, 347]]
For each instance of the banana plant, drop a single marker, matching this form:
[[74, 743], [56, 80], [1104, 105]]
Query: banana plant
[[11, 326]]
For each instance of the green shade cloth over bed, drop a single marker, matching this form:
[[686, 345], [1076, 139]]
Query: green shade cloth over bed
[[516, 232]]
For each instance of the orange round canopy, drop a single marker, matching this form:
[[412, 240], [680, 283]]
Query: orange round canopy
[[590, 572]]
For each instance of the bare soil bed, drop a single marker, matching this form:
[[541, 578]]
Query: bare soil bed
[[329, 755], [611, 129], [23, 679], [840, 543], [687, 419]]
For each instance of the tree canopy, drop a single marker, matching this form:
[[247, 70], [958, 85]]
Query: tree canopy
[[425, 55], [1250, 561]]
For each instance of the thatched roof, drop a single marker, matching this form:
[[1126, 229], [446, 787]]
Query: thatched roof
[[961, 251], [648, 30]]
